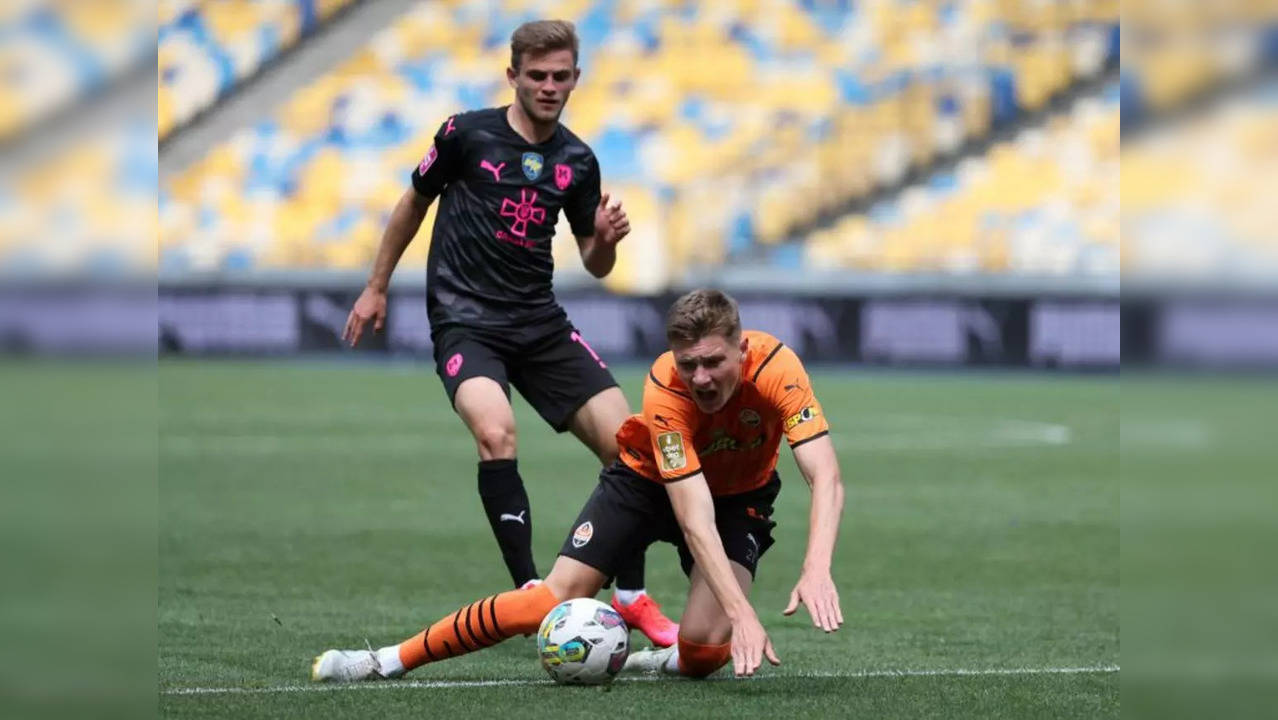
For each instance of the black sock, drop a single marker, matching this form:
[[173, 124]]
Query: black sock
[[630, 572], [506, 504]]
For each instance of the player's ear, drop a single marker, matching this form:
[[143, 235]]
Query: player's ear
[[511, 74], [745, 343]]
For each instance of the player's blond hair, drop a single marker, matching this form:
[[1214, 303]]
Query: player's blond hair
[[540, 37], [702, 313]]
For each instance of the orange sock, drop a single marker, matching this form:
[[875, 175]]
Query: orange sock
[[479, 625], [697, 660]]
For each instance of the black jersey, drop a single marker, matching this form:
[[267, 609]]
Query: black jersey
[[500, 196]]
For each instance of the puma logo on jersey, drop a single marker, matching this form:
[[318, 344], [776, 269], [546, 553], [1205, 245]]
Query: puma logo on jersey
[[514, 518], [496, 171]]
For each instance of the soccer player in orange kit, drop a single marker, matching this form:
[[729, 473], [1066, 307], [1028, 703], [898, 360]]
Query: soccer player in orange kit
[[697, 468]]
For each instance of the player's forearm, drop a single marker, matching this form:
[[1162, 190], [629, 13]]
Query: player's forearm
[[599, 258], [405, 221], [823, 520], [708, 554]]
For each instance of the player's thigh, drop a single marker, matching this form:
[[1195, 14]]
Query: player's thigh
[[704, 621], [572, 578], [483, 405], [461, 355], [558, 374], [616, 521], [745, 525], [596, 423]]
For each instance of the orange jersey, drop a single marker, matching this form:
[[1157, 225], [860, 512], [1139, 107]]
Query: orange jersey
[[736, 447]]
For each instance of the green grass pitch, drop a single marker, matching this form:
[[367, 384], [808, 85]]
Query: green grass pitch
[[307, 506]]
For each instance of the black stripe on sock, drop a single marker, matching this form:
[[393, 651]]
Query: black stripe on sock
[[473, 637], [426, 641], [492, 610], [482, 627], [457, 632]]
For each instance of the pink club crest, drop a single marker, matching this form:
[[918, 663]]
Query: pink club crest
[[563, 176], [453, 366]]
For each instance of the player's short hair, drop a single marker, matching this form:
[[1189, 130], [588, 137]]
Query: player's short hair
[[702, 313], [540, 37]]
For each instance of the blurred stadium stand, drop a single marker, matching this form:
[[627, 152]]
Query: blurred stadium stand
[[78, 175], [208, 47], [53, 54], [86, 210], [728, 128]]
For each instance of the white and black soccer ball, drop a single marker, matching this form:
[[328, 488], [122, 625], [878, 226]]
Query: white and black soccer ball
[[583, 642]]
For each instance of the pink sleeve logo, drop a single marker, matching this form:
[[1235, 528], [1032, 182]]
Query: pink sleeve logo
[[450, 127], [563, 176], [427, 161], [453, 366]]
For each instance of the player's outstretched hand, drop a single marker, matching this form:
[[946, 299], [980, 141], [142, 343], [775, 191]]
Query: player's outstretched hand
[[611, 223], [816, 591], [371, 305], [750, 644]]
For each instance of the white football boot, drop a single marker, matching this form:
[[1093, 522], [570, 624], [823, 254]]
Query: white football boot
[[346, 666], [651, 661]]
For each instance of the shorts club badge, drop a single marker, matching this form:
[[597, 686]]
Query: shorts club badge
[[582, 534]]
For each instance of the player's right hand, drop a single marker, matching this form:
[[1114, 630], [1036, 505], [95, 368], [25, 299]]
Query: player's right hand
[[750, 644], [371, 305]]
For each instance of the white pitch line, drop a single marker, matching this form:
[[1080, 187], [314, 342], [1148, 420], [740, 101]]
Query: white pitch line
[[413, 684]]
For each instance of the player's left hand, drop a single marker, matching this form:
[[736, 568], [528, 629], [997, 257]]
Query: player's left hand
[[816, 591], [611, 223]]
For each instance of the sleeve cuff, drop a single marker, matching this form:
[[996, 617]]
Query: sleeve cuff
[[677, 478], [823, 433]]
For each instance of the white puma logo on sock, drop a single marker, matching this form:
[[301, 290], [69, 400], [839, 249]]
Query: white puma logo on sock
[[517, 518]]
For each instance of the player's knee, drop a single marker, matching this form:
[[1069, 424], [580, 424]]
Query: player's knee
[[496, 441], [571, 578], [698, 660]]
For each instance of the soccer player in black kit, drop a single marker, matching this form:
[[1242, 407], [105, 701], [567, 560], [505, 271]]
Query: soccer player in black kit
[[503, 175]]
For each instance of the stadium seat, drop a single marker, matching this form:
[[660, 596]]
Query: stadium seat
[[748, 122], [207, 47]]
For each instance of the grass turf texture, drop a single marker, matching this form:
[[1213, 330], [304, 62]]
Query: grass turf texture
[[304, 507]]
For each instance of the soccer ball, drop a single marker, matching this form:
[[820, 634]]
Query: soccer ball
[[583, 642]]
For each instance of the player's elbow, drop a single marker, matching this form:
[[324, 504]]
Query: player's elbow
[[597, 266]]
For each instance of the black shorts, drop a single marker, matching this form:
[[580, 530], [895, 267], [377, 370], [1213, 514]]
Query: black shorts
[[549, 363], [628, 512]]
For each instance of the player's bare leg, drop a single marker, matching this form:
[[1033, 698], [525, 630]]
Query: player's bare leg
[[484, 407], [596, 424], [478, 625], [705, 633]]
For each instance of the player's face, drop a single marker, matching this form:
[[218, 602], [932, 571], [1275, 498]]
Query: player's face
[[543, 83], [711, 369]]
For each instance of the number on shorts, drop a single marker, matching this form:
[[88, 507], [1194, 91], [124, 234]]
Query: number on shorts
[[577, 338]]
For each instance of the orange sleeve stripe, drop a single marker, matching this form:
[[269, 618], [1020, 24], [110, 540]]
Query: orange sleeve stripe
[[797, 443]]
